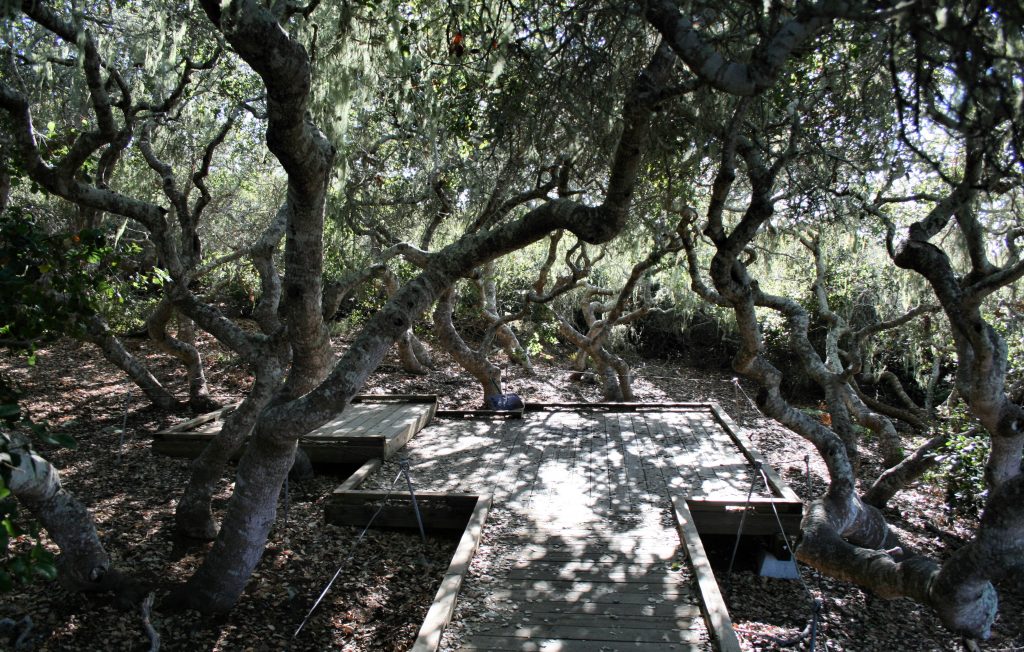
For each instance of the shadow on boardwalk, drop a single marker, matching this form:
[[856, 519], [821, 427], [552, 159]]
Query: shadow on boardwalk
[[580, 551]]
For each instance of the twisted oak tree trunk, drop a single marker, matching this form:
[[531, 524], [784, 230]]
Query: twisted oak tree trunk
[[284, 67], [474, 361], [113, 350], [83, 563]]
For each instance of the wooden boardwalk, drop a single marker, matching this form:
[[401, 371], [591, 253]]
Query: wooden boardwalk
[[580, 551], [371, 427]]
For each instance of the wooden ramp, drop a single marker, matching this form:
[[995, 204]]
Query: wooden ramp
[[372, 426], [583, 547]]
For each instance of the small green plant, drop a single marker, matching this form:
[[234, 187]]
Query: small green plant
[[962, 467]]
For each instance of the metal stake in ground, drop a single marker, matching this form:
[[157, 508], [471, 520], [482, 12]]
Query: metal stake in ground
[[403, 464]]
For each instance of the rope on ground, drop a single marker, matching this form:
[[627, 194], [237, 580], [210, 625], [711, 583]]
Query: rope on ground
[[352, 549], [806, 459], [810, 631], [736, 384], [739, 533]]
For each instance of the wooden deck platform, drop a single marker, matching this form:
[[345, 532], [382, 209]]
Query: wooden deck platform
[[372, 426], [581, 550]]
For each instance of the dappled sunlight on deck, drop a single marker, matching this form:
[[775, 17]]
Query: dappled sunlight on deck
[[581, 551]]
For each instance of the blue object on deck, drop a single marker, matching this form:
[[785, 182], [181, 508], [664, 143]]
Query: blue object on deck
[[505, 402]]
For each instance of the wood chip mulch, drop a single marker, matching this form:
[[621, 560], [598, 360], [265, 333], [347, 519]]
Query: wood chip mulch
[[384, 590]]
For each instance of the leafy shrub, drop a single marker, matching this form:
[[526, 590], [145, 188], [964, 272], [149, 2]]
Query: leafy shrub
[[963, 469], [47, 281]]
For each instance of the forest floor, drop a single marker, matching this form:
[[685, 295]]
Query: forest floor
[[387, 582]]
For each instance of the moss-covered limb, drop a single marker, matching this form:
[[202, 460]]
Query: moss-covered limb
[[221, 579]]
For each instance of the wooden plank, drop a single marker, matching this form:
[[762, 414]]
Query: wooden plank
[[529, 592], [351, 418], [369, 416], [760, 523], [608, 620], [325, 444], [361, 496], [418, 419], [605, 406], [778, 485], [510, 644], [395, 398], [627, 565], [357, 478], [328, 453], [715, 611], [479, 414], [504, 477], [542, 587], [653, 577], [440, 613], [605, 632], [439, 511], [599, 554], [574, 610], [758, 502], [201, 419]]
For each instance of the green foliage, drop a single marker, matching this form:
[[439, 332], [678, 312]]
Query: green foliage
[[963, 471], [542, 340], [47, 282]]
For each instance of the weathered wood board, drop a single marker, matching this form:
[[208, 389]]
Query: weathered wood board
[[439, 511], [372, 426], [591, 502]]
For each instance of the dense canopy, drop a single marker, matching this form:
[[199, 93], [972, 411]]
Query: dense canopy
[[838, 184]]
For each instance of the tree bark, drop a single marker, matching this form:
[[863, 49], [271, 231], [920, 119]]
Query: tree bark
[[83, 563], [910, 469], [411, 352], [113, 350], [284, 68], [475, 362], [193, 516], [502, 332], [184, 351]]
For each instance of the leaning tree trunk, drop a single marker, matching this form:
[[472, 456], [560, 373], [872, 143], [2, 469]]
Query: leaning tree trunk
[[182, 350], [502, 333], [842, 534], [616, 379], [475, 362], [306, 156], [193, 516], [113, 350], [83, 563], [908, 470], [411, 352]]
